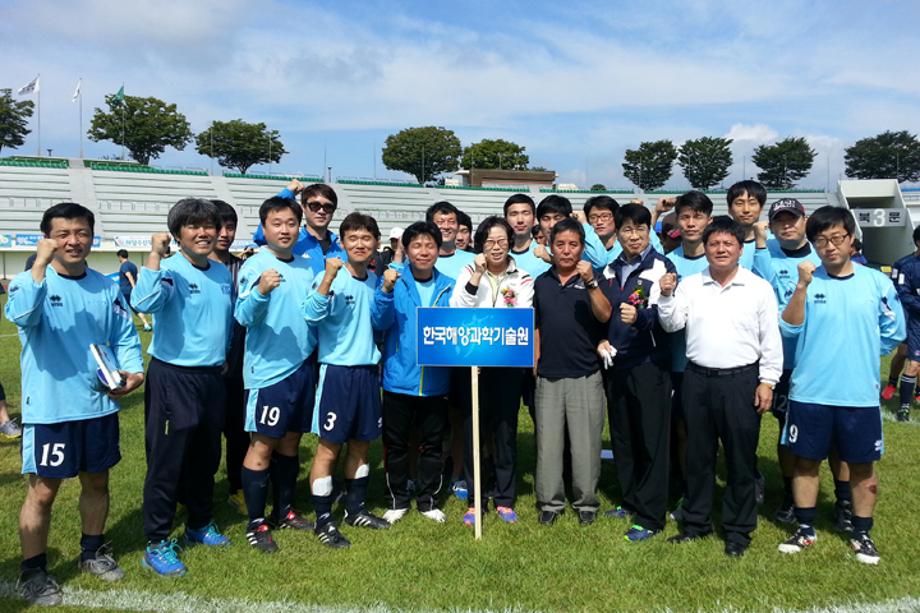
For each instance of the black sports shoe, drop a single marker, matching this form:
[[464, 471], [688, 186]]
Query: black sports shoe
[[843, 512], [293, 520], [260, 537], [39, 588], [548, 518], [800, 541], [363, 519], [330, 536], [904, 414], [865, 549], [785, 514]]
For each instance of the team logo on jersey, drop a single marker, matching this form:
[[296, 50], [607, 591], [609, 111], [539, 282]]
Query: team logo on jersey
[[878, 445], [55, 300], [783, 273], [193, 288], [820, 299], [225, 287], [349, 299]]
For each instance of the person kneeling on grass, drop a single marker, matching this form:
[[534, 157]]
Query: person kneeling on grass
[[278, 371], [61, 306], [834, 402], [413, 395], [184, 397], [348, 395]]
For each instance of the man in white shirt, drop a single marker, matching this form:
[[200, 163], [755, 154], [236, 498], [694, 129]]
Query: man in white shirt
[[735, 359]]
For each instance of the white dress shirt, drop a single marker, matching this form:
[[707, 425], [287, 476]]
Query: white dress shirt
[[727, 327]]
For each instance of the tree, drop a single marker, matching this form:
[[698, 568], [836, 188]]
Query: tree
[[144, 126], [422, 152], [649, 166], [784, 163], [598, 187], [237, 144], [14, 117], [885, 156], [705, 161], [498, 153]]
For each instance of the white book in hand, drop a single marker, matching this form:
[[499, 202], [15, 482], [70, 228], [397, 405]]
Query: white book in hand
[[108, 368]]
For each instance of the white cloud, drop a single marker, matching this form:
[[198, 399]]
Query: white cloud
[[757, 133]]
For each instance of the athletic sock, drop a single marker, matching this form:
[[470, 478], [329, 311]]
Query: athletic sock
[[842, 491], [321, 495], [862, 525], [255, 491], [806, 517], [355, 494], [284, 470], [89, 545], [906, 390], [39, 562]]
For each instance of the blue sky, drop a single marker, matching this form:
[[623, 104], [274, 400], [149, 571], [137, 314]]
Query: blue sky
[[576, 83]]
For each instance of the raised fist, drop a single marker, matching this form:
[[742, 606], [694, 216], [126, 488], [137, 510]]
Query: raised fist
[[579, 216], [479, 262], [628, 313], [541, 252], [295, 186], [806, 272], [389, 279], [333, 265], [44, 251], [159, 244], [667, 283], [269, 280], [665, 204], [585, 271]]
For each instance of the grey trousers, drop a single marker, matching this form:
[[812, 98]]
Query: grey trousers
[[579, 404]]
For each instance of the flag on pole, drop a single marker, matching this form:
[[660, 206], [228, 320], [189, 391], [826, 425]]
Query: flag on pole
[[120, 94], [28, 88], [76, 92]]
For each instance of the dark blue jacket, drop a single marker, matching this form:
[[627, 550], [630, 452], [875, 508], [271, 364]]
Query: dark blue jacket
[[643, 341]]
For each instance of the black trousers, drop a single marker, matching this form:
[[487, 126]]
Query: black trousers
[[184, 417], [721, 407], [639, 410], [428, 417], [237, 439], [499, 403]]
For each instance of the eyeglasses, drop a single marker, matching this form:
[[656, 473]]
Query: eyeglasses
[[325, 206], [500, 243], [600, 217], [836, 240]]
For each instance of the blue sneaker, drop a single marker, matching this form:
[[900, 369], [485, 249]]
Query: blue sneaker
[[209, 535], [163, 559], [637, 533], [617, 512], [458, 487]]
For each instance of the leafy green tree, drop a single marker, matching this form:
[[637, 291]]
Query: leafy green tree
[[144, 126], [885, 156], [784, 163], [423, 152], [240, 145], [598, 187], [705, 161], [649, 166], [497, 153], [14, 116]]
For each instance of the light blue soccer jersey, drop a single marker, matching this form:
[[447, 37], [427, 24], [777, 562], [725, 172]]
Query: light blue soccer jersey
[[58, 319], [278, 338], [529, 262], [192, 311], [345, 320], [685, 266], [779, 268], [747, 254], [451, 265], [849, 322]]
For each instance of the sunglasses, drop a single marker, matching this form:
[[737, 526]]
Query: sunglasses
[[316, 207]]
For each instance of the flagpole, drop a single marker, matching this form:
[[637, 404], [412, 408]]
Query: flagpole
[[81, 115], [39, 106], [123, 105]]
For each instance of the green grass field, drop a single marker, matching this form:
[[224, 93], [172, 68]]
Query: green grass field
[[421, 566]]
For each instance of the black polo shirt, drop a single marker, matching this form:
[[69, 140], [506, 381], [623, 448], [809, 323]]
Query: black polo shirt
[[569, 333]]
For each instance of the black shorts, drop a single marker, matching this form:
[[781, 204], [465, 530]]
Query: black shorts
[[63, 450]]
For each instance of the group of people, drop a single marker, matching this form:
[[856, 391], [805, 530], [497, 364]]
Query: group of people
[[683, 340]]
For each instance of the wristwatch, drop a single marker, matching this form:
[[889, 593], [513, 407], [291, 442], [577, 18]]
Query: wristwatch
[[592, 284], [768, 384]]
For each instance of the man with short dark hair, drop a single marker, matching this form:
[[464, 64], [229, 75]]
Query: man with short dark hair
[[735, 359], [746, 200], [451, 259], [127, 279], [70, 421], [834, 402], [520, 213], [906, 276]]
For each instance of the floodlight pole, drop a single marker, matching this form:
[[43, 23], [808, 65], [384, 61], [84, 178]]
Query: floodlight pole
[[477, 468]]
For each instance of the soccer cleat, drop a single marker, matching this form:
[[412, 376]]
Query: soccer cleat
[[238, 502], [435, 515], [460, 490], [163, 559], [39, 588], [260, 537], [469, 518], [363, 519], [507, 514], [293, 520], [785, 514], [865, 549], [801, 540], [843, 516], [888, 392], [617, 512], [637, 533], [209, 535], [330, 536], [103, 565], [760, 487], [394, 515], [10, 429], [903, 414]]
